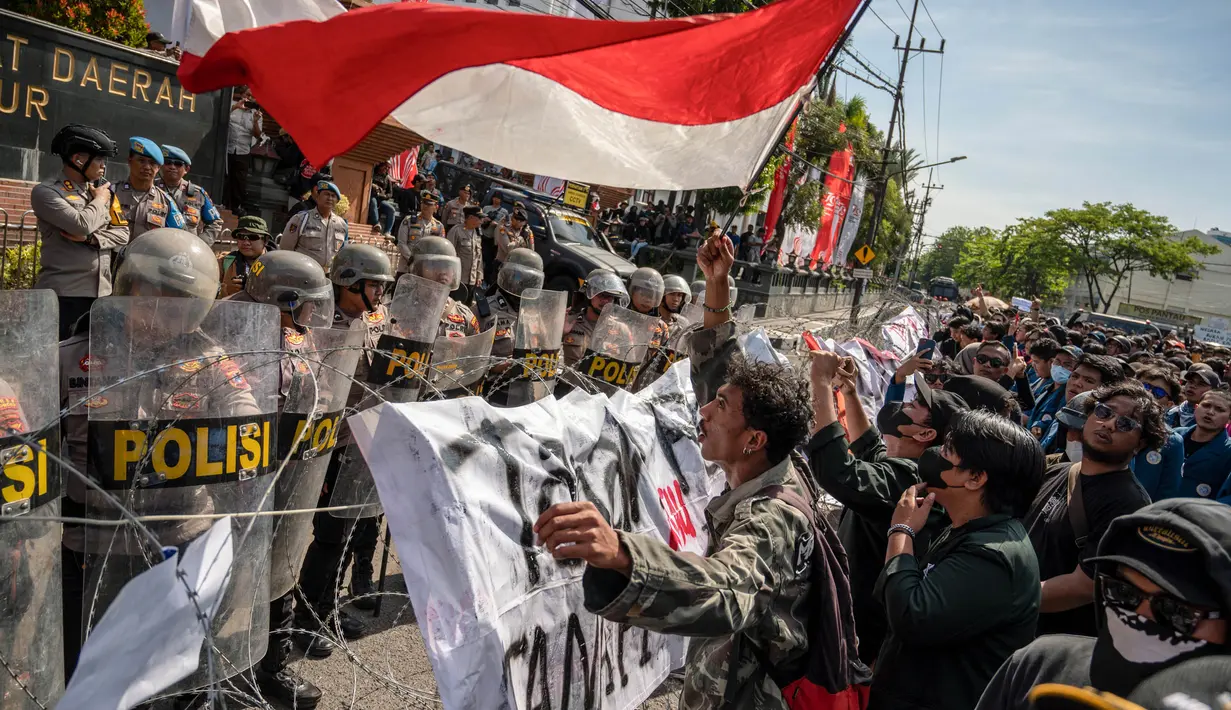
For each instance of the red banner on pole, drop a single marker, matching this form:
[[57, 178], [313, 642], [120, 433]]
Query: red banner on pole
[[834, 204], [773, 210]]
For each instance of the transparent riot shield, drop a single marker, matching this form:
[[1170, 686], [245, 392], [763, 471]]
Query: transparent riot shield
[[674, 349], [537, 339], [315, 381], [182, 424], [616, 349], [398, 370], [460, 365], [31, 639]]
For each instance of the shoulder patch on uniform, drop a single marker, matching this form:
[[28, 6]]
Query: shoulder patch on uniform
[[185, 400], [74, 197], [502, 333], [456, 318], [570, 339], [375, 316], [455, 334], [68, 185], [294, 338], [96, 401], [191, 365], [230, 370]]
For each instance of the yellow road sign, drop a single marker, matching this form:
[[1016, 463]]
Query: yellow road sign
[[575, 194], [865, 254]]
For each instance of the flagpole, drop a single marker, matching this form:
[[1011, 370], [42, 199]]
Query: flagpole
[[777, 143]]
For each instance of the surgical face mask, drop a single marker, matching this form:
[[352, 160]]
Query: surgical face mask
[[1060, 375], [891, 418], [1131, 648], [1072, 450], [931, 466]]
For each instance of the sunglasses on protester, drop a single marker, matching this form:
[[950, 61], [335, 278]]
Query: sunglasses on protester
[[932, 379], [1158, 392], [989, 360], [1124, 424], [1169, 611], [177, 163]]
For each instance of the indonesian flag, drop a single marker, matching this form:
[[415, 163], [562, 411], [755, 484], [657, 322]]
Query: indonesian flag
[[773, 209], [671, 104], [404, 167], [837, 193]]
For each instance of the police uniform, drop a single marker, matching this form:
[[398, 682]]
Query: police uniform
[[468, 244], [457, 321], [503, 317], [451, 213], [148, 209], [200, 215], [318, 237], [577, 330], [508, 240], [76, 269], [414, 227]]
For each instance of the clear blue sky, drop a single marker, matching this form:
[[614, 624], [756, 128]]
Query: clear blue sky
[[1056, 102]]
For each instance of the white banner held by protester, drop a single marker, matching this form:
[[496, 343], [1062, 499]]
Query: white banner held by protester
[[904, 331], [850, 227], [462, 484], [1212, 335]]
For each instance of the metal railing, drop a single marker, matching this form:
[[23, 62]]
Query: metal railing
[[19, 250]]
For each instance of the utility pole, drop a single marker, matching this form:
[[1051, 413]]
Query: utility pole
[[882, 185], [922, 209]]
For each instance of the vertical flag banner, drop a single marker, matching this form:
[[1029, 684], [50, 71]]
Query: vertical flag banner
[[405, 167], [850, 227], [773, 210], [835, 184]]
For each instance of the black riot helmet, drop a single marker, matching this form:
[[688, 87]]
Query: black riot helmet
[[356, 263], [522, 269], [296, 284], [79, 138], [435, 259]]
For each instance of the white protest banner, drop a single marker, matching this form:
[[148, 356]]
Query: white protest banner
[[1207, 334], [550, 185], [904, 331], [1022, 304], [462, 484], [851, 226]]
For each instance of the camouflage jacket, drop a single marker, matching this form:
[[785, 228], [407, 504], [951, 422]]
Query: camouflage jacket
[[755, 579]]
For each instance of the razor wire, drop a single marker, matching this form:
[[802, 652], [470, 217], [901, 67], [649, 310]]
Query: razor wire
[[376, 676]]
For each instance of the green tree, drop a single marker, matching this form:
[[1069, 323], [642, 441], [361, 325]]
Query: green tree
[[1108, 242], [942, 258], [120, 21], [1020, 260]]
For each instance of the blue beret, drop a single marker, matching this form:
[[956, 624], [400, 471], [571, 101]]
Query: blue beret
[[146, 147], [326, 185], [173, 153]]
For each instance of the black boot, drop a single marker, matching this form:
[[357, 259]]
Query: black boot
[[363, 540], [288, 687]]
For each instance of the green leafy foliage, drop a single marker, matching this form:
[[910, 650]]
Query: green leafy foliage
[[21, 267], [120, 21]]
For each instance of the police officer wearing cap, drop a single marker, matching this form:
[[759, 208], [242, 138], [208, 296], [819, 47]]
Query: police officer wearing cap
[[251, 241], [602, 287], [451, 215], [523, 269], [146, 206], [468, 243], [79, 221], [434, 259], [360, 274], [200, 215], [319, 233], [423, 224]]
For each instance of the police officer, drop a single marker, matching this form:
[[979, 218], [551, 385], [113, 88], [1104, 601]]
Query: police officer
[[80, 223], [200, 215], [467, 242], [423, 224], [672, 324], [698, 292], [252, 239], [452, 213], [435, 260], [522, 269], [602, 287], [645, 291], [163, 263], [146, 206], [675, 294], [360, 274], [319, 232], [299, 288]]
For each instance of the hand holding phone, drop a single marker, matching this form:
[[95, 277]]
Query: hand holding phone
[[926, 345]]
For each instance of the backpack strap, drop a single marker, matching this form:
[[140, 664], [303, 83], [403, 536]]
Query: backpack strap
[[1077, 507]]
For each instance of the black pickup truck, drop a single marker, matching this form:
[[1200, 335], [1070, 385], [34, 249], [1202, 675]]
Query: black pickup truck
[[562, 236]]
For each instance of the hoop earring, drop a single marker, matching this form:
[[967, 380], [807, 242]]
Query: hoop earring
[[747, 451]]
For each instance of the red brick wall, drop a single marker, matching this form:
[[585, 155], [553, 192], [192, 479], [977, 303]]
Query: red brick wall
[[14, 198]]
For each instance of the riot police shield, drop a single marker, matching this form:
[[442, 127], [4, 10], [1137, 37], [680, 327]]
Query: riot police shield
[[460, 365], [30, 601], [616, 349], [398, 370], [537, 339], [182, 412], [315, 381], [673, 349]]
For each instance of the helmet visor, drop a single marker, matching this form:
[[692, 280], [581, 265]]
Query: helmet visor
[[516, 278], [177, 277], [442, 269], [309, 308]]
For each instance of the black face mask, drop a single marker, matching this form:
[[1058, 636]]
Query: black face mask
[[891, 417], [1131, 648], [931, 465]]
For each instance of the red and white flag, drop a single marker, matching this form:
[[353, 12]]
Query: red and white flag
[[670, 104], [404, 167], [773, 209], [834, 203]]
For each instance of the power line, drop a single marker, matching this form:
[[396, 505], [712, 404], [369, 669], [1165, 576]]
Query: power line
[[927, 156], [876, 72], [853, 75], [940, 93], [904, 12], [929, 13], [877, 16]]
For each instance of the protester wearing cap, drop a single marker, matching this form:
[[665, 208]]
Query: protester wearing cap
[[319, 233], [145, 205], [869, 474], [156, 43], [251, 240], [468, 242], [1163, 582], [1207, 449], [1197, 381], [200, 215], [956, 612], [1079, 500], [416, 226]]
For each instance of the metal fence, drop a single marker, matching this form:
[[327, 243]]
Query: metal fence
[[19, 250]]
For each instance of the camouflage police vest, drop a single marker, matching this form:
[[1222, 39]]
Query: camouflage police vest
[[576, 336], [191, 201], [457, 321], [144, 210]]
